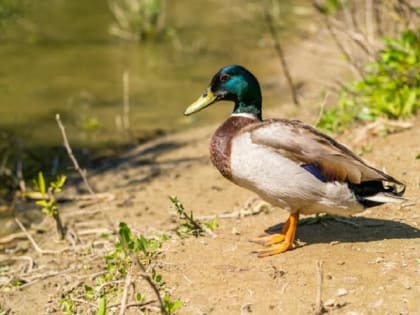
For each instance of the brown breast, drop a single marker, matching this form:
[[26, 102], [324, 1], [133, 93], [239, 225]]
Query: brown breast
[[220, 145]]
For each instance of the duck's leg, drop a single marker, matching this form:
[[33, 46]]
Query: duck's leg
[[275, 238], [289, 236]]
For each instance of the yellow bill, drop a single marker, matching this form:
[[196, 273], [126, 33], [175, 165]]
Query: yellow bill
[[205, 100]]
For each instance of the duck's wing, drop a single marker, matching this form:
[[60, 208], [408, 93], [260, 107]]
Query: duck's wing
[[309, 147]]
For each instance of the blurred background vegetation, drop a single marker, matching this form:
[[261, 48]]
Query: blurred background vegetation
[[120, 72]]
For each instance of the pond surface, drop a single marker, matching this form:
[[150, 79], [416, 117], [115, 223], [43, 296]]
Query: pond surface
[[60, 58]]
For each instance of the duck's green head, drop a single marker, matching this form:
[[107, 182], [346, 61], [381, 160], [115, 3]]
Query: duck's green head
[[231, 83]]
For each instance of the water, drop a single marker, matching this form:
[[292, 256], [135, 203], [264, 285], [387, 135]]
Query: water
[[61, 59]]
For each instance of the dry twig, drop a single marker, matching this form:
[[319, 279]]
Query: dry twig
[[125, 293], [34, 279], [279, 50], [11, 237], [66, 143], [346, 52], [34, 244], [82, 172], [149, 280], [34, 195], [319, 306], [94, 231]]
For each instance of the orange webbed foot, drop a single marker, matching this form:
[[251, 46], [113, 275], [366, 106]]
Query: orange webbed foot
[[274, 249], [270, 239], [279, 243]]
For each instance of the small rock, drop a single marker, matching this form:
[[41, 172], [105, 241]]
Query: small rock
[[235, 231], [329, 303], [377, 304], [342, 292], [246, 308], [379, 260], [406, 283]]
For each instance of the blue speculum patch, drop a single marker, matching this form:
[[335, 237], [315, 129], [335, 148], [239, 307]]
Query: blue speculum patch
[[315, 171]]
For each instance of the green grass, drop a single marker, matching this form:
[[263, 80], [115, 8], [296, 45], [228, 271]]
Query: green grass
[[47, 200], [188, 225], [390, 88], [108, 288]]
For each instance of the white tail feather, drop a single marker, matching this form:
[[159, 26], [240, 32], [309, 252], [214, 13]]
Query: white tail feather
[[385, 197]]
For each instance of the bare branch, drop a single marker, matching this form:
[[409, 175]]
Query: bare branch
[[82, 172], [340, 46], [280, 53], [357, 37], [411, 8]]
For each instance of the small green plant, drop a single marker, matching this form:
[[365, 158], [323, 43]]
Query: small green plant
[[188, 225], [67, 306], [130, 247], [138, 20], [101, 306], [47, 199], [171, 306], [129, 252], [120, 259], [390, 88], [130, 244]]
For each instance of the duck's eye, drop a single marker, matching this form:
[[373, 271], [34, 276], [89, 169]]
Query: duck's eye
[[224, 77]]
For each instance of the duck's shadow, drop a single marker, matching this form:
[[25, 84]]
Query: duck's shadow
[[356, 229]]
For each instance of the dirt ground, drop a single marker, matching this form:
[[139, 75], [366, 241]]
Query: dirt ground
[[370, 265]]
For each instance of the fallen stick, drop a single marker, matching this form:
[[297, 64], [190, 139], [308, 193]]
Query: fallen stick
[[34, 244], [44, 276], [11, 237], [34, 195], [125, 293], [319, 306], [94, 231]]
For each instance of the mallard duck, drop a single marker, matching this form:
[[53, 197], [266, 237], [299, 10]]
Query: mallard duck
[[287, 163]]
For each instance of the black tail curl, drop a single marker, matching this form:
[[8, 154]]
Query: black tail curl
[[371, 188]]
